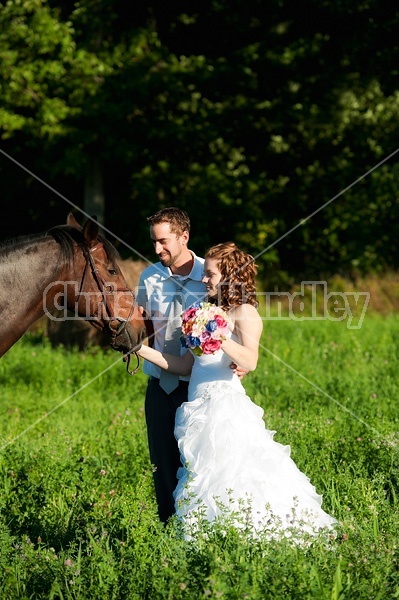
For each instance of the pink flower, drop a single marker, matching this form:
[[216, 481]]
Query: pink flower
[[189, 314], [220, 321], [211, 346]]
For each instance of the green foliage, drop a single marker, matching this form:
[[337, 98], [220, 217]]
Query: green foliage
[[77, 511], [252, 127]]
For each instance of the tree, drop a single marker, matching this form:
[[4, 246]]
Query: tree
[[250, 119]]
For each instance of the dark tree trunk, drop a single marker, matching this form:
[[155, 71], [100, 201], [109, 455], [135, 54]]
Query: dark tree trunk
[[94, 201]]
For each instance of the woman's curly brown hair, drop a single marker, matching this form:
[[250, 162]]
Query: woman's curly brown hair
[[238, 270]]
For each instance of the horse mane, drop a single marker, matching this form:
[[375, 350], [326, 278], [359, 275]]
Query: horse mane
[[68, 236], [65, 235], [11, 244]]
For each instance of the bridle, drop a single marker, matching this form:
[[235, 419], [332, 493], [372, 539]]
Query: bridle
[[105, 291]]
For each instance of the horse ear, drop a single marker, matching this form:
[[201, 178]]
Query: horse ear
[[90, 230], [72, 222]]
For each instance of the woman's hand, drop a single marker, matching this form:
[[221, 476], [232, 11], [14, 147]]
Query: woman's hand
[[238, 370]]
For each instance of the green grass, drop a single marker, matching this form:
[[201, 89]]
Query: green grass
[[77, 512]]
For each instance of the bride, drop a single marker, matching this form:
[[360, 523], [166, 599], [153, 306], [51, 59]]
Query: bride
[[231, 466]]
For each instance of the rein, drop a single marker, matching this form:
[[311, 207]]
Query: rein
[[127, 360], [105, 291]]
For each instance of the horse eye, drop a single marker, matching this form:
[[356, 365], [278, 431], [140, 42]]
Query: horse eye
[[112, 271]]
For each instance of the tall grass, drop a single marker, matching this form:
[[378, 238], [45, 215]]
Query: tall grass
[[77, 512]]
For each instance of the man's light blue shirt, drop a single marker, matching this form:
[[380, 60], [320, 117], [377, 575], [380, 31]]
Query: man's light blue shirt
[[157, 286]]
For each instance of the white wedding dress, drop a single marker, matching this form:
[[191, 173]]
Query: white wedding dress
[[231, 464]]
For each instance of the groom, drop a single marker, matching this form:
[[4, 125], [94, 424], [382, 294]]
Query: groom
[[165, 290]]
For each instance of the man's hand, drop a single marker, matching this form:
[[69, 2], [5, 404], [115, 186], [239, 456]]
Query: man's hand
[[238, 371]]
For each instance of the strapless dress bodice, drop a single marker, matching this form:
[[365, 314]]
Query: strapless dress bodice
[[209, 368]]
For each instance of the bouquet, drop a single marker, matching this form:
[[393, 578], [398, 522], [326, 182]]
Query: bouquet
[[204, 327]]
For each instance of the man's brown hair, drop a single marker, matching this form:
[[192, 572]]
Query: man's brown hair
[[178, 219]]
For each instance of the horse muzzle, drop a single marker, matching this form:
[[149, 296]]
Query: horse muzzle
[[126, 337]]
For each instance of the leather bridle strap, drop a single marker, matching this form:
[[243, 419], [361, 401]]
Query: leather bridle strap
[[106, 290], [127, 360]]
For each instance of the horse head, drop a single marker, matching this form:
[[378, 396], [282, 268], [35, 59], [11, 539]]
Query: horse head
[[97, 290]]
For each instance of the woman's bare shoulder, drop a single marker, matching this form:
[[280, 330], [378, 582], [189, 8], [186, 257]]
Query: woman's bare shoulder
[[245, 311]]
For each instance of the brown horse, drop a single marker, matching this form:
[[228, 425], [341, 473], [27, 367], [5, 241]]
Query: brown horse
[[73, 268]]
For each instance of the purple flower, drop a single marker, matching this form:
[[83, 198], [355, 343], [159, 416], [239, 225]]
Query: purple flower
[[205, 335]]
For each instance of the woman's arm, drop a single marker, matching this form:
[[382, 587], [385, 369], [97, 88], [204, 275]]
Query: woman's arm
[[248, 327], [180, 365]]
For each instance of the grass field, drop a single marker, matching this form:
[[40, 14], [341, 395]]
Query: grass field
[[77, 509]]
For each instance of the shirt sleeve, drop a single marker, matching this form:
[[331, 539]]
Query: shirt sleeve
[[141, 295]]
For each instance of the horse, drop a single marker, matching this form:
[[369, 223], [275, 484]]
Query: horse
[[73, 268]]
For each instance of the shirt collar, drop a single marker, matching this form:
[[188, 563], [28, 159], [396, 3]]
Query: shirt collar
[[196, 273]]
